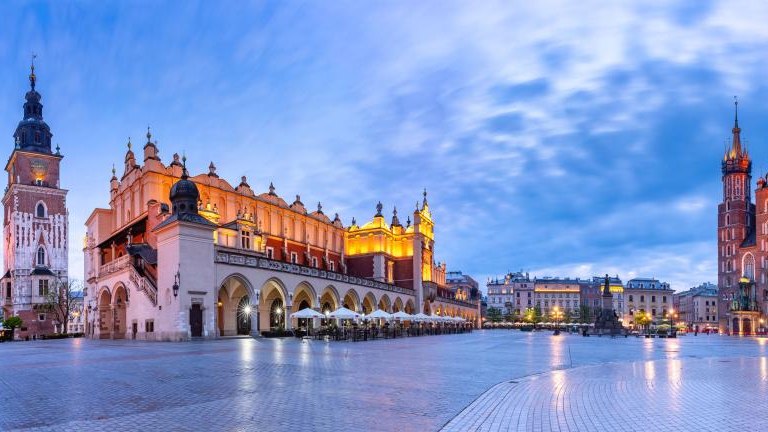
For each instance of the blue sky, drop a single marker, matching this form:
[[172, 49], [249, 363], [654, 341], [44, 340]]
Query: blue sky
[[563, 138]]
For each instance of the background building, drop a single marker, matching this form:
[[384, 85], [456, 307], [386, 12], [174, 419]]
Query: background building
[[647, 295], [697, 307], [463, 286], [556, 292], [35, 223], [512, 294]]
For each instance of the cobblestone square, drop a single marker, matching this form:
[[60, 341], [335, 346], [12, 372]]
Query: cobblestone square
[[487, 380]]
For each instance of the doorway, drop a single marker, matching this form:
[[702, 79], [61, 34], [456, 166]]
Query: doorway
[[196, 320]]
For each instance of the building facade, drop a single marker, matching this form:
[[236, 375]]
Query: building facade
[[462, 286], [176, 257], [563, 294], [35, 222], [647, 296], [742, 242], [697, 307], [512, 294]]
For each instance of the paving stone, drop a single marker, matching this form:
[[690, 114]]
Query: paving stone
[[412, 384]]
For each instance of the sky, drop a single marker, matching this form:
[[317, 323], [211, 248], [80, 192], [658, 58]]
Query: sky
[[560, 138]]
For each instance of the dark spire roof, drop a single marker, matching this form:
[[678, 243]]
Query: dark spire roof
[[184, 200], [395, 220], [32, 133], [736, 130]]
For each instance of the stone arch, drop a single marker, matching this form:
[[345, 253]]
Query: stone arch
[[304, 292], [329, 299], [119, 308], [385, 303], [398, 306], [369, 303], [273, 305], [233, 305], [351, 300], [410, 308]]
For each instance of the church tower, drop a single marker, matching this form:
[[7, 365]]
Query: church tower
[[35, 221], [736, 214]]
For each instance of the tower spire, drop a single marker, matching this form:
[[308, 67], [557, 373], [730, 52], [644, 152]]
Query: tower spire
[[736, 130], [32, 77]]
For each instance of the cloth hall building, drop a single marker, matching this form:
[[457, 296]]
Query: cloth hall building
[[176, 257], [742, 243]]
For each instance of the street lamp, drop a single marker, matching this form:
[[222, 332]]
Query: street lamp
[[176, 281]]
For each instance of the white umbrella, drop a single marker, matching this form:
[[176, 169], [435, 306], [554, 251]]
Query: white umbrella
[[420, 317], [307, 313], [379, 314], [401, 316], [344, 313]]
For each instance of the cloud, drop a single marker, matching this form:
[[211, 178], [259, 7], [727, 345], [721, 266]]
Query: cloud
[[557, 136]]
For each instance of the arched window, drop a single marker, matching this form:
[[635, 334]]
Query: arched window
[[40, 256], [40, 210], [727, 219], [749, 267]]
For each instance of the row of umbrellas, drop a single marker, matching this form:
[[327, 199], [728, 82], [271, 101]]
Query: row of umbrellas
[[344, 313]]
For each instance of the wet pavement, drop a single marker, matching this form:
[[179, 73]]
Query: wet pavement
[[412, 384]]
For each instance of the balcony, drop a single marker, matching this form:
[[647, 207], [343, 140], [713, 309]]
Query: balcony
[[114, 266]]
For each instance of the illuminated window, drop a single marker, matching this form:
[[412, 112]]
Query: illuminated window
[[245, 240]]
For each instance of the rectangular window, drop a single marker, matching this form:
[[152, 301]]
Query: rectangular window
[[245, 239], [642, 298], [630, 297], [314, 262], [8, 290], [664, 299], [653, 299], [270, 252], [41, 317], [42, 287], [332, 265], [294, 258], [653, 312], [149, 326]]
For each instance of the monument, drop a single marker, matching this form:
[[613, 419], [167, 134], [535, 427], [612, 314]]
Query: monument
[[607, 322]]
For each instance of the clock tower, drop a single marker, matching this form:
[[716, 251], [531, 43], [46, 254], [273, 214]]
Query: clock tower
[[35, 223]]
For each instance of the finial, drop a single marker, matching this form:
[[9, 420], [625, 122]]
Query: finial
[[408, 222], [319, 207], [394, 211], [354, 222], [425, 196], [211, 169], [149, 135], [129, 143], [243, 180], [736, 112], [113, 170], [271, 189], [58, 149], [298, 198], [184, 173], [32, 77], [379, 207]]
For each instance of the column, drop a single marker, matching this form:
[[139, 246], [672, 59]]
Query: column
[[288, 324]]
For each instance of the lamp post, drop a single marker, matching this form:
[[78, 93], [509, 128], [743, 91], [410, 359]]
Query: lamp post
[[556, 313]]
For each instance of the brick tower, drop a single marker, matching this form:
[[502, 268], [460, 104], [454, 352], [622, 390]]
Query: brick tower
[[735, 224], [35, 222]]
